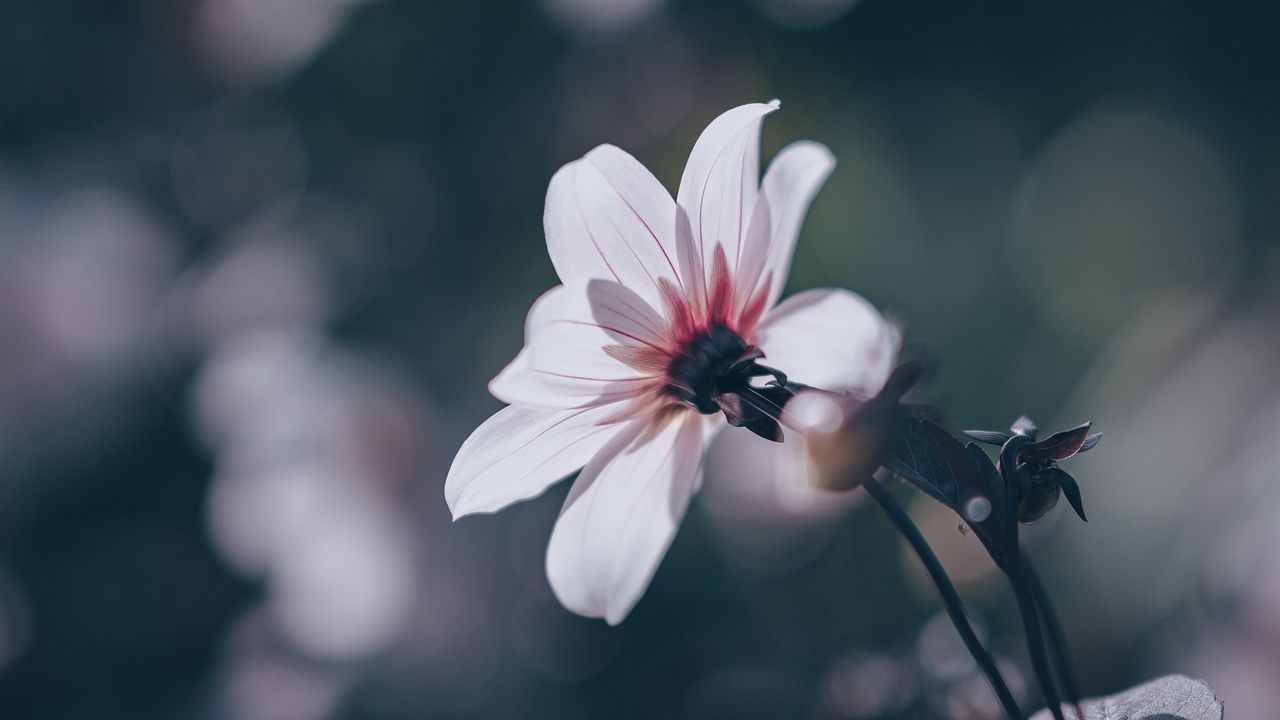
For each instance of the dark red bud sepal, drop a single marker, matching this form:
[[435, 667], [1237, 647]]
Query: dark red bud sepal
[[1060, 445]]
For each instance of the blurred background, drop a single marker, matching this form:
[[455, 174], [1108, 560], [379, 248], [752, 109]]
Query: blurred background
[[259, 258]]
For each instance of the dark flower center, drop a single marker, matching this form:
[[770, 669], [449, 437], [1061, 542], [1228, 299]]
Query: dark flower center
[[712, 373], [704, 364]]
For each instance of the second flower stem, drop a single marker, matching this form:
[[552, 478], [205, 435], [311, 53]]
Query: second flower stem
[[1057, 639], [950, 598], [1035, 642]]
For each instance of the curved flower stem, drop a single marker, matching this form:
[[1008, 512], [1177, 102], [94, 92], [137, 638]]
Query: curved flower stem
[[1035, 642], [1057, 639], [950, 598]]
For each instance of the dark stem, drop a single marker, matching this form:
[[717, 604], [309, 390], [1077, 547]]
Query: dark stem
[[950, 598], [1035, 642], [1057, 640]]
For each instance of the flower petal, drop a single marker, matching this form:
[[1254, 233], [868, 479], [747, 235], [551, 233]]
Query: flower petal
[[517, 453], [608, 217], [720, 182], [548, 305], [831, 339], [793, 178], [568, 361], [621, 516]]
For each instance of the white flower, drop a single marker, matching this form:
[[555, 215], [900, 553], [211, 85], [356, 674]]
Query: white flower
[[627, 367]]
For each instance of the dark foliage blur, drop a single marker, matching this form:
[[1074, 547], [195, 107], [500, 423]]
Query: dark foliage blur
[[258, 259]]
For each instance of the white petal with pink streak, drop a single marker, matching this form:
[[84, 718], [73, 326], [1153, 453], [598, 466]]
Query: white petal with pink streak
[[720, 182], [790, 184], [565, 362], [518, 453], [621, 516], [609, 218]]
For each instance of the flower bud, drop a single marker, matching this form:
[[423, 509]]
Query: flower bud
[[1038, 497]]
